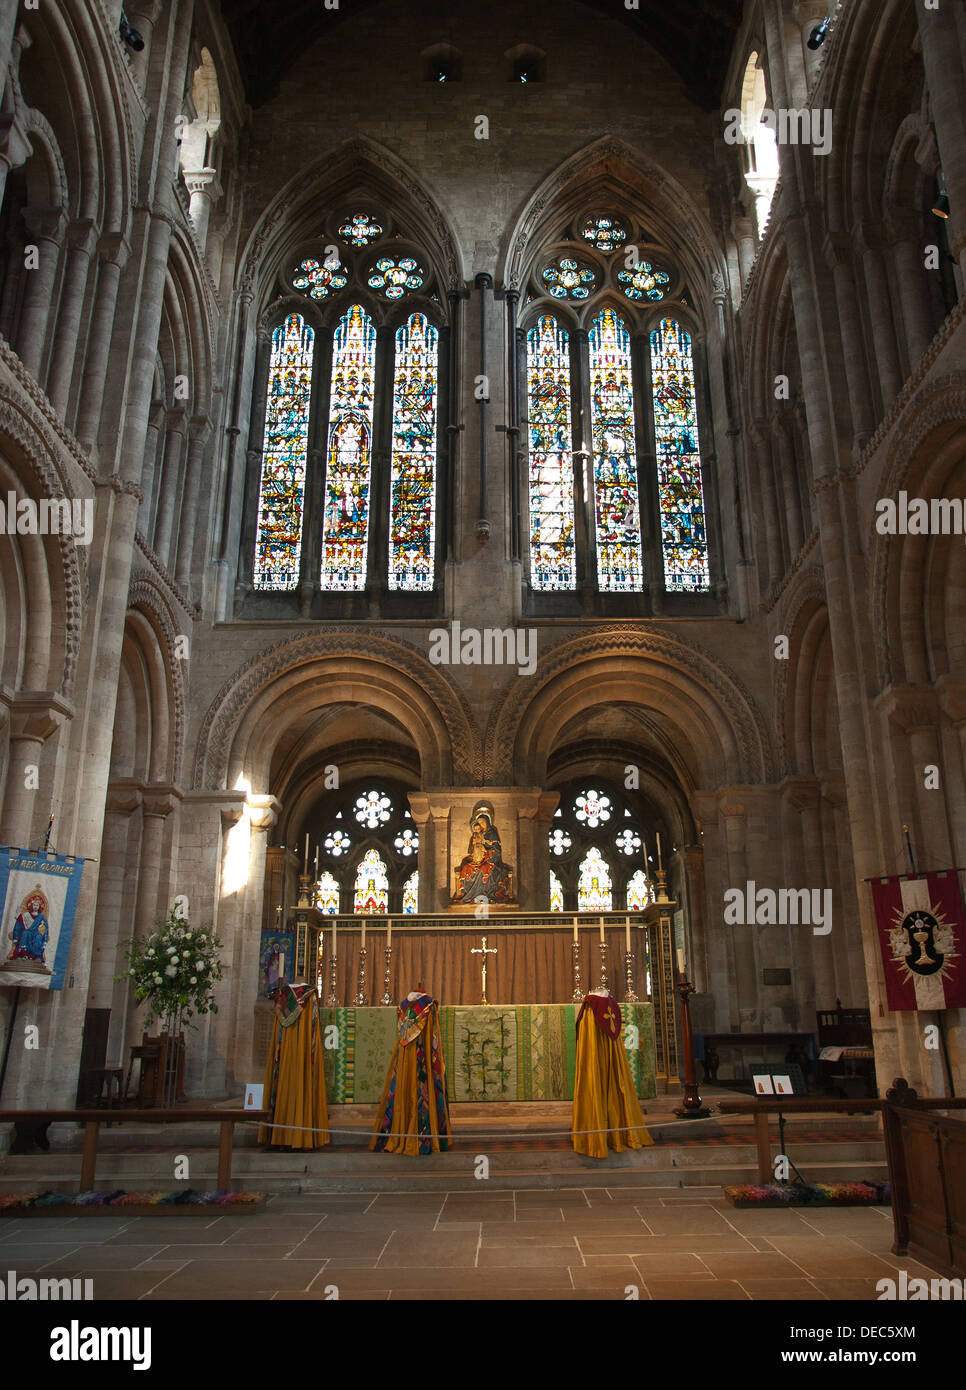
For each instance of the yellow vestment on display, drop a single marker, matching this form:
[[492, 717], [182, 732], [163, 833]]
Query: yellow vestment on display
[[414, 1111], [604, 1097], [294, 1078]]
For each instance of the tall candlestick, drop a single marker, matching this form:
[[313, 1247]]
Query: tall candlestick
[[680, 962], [602, 931], [306, 855]]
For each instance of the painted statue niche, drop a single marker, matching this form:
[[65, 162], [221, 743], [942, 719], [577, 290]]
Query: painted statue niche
[[482, 872]]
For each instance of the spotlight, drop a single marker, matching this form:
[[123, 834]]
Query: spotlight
[[129, 34], [819, 34], [941, 206]]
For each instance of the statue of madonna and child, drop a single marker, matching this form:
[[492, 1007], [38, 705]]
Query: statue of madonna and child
[[482, 872]]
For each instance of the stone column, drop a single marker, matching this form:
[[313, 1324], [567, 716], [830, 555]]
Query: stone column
[[114, 913], [34, 717], [430, 815], [788, 469], [205, 190], [761, 443], [719, 977], [806, 14], [169, 482], [742, 937], [81, 241], [158, 803], [797, 794], [152, 447], [262, 812], [199, 431], [915, 710], [695, 922], [113, 251], [45, 229], [838, 255], [535, 818], [879, 298]]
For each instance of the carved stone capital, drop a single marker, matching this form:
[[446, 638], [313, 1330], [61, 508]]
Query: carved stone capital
[[801, 793], [911, 707], [263, 810], [123, 797], [833, 789], [35, 715], [952, 699], [114, 249], [46, 224], [160, 800]]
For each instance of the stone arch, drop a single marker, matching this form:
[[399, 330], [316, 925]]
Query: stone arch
[[150, 619], [610, 170], [355, 167], [323, 667], [919, 582], [804, 685], [717, 727]]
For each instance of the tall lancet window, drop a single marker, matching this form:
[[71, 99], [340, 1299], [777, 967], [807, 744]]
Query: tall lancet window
[[620, 566], [412, 506], [345, 525], [278, 538], [372, 884], [680, 494], [552, 555]]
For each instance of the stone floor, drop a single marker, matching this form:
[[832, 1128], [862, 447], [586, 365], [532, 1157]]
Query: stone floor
[[569, 1244]]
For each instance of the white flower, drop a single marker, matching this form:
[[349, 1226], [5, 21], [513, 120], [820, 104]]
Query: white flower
[[150, 953], [158, 980], [130, 972], [171, 950], [174, 960], [171, 970], [193, 980], [199, 964]]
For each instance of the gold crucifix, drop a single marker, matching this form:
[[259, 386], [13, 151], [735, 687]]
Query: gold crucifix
[[484, 951]]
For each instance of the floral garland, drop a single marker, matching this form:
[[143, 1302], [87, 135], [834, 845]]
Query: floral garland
[[12, 1201], [175, 969], [816, 1194]]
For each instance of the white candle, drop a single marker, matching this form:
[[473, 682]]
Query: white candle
[[659, 864], [363, 941], [281, 967], [680, 961], [388, 932], [602, 929], [627, 934], [306, 854], [316, 861], [576, 938], [334, 941]]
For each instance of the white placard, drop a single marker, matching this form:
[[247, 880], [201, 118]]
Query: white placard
[[253, 1096], [763, 1086], [783, 1085]]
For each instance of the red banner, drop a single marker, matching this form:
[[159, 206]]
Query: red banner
[[922, 937]]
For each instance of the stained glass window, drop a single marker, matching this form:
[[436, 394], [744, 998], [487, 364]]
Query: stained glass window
[[407, 842], [552, 559], [412, 516], [619, 563], [560, 841], [594, 885], [373, 808], [395, 276], [337, 843], [638, 894], [606, 233], [680, 494], [410, 901], [345, 523], [360, 229], [372, 884], [319, 278], [592, 807], [327, 894], [568, 279], [556, 893], [278, 539], [627, 841], [643, 282]]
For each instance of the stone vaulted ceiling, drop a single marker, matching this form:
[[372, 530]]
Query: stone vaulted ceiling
[[695, 36]]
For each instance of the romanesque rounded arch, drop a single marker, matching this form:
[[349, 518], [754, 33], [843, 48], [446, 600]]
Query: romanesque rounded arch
[[50, 634], [244, 721], [714, 717], [802, 719], [149, 617]]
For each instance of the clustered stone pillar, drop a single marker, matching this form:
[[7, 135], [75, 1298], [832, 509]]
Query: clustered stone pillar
[[46, 228]]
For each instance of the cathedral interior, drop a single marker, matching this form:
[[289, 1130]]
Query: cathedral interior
[[479, 427]]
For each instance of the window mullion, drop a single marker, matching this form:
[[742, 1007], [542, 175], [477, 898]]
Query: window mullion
[[315, 472], [648, 501]]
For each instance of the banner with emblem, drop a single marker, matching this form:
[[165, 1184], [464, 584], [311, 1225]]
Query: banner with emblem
[[922, 936], [38, 898]]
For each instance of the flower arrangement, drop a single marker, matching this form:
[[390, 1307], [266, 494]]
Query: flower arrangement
[[819, 1194], [11, 1203], [175, 970]]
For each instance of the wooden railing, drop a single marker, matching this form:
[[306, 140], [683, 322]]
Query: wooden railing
[[93, 1119], [926, 1154]]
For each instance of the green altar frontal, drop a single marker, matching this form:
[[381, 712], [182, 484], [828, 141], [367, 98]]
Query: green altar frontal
[[500, 1052]]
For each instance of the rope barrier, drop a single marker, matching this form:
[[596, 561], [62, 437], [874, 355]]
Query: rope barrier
[[544, 1134]]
